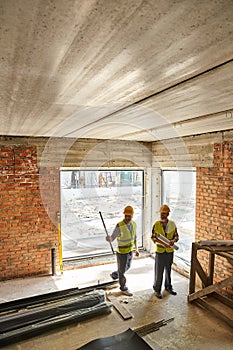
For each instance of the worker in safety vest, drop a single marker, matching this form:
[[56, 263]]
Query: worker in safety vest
[[164, 252], [125, 232]]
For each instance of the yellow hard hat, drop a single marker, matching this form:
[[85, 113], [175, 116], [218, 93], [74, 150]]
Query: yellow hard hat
[[165, 209], [128, 210]]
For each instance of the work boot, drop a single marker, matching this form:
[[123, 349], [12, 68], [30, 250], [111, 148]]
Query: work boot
[[158, 295], [127, 292], [114, 275], [171, 291]]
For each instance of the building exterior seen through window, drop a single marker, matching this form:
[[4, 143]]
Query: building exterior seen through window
[[86, 193]]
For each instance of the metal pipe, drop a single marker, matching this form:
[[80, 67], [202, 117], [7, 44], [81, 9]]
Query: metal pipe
[[53, 260], [106, 231]]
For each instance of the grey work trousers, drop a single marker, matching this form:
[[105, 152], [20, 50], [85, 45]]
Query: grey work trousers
[[163, 262], [123, 264]]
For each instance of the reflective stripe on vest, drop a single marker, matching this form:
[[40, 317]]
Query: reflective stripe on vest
[[126, 238], [158, 229]]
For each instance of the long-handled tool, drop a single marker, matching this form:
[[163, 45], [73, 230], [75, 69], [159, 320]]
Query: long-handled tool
[[106, 231]]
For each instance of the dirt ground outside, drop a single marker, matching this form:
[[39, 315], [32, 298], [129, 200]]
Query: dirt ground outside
[[83, 232]]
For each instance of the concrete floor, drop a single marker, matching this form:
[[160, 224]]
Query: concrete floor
[[193, 328]]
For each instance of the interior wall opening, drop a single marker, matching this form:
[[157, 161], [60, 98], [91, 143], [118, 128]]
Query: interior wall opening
[[86, 193], [179, 192]]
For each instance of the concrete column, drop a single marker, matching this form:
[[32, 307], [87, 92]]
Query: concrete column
[[152, 202]]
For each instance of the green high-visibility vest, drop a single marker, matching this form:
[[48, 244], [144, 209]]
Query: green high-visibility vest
[[126, 240], [158, 229]]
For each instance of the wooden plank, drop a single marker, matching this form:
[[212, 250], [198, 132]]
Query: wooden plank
[[202, 274], [211, 268], [210, 289], [216, 249], [192, 280], [228, 256], [216, 312], [217, 243], [121, 309], [223, 299]]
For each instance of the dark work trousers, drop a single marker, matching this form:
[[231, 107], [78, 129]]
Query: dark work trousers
[[123, 265], [163, 261]]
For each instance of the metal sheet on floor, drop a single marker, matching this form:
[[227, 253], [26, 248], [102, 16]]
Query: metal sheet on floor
[[128, 340]]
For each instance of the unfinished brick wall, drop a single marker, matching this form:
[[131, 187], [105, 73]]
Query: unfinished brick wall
[[27, 232], [214, 206]]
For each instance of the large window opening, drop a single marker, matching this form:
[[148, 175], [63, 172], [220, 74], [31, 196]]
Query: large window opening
[[86, 193], [179, 192]]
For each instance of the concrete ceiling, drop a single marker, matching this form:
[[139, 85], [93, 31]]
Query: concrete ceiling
[[126, 69]]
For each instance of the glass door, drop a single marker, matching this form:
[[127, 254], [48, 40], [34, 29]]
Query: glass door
[[179, 193]]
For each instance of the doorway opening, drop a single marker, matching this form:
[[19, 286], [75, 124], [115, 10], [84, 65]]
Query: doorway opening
[[87, 193]]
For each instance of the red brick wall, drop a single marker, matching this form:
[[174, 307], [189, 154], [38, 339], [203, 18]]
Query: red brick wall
[[214, 206], [27, 232]]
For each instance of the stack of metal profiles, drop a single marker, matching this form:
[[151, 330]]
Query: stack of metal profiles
[[42, 313]]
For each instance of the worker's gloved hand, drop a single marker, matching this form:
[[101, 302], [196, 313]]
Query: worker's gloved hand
[[172, 242], [108, 238], [137, 253]]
